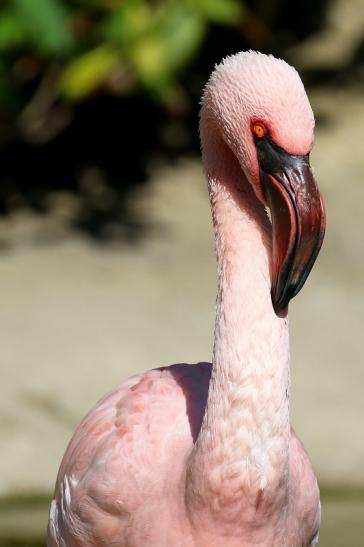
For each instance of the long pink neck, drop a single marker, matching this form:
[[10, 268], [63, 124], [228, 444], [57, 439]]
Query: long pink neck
[[241, 453]]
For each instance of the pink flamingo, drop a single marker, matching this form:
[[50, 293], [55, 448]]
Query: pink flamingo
[[204, 455]]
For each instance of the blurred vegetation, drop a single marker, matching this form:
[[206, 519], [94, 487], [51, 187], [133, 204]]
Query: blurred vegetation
[[92, 90], [115, 43]]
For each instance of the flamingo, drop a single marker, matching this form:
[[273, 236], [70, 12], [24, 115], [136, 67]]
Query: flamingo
[[204, 455]]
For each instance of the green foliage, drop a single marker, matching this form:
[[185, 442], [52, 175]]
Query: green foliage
[[91, 40], [46, 23], [12, 30], [128, 23], [83, 74], [156, 43], [228, 12]]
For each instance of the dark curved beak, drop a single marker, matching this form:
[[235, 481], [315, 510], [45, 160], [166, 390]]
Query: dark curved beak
[[297, 215]]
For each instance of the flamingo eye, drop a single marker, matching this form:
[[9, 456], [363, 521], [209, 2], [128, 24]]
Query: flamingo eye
[[259, 130]]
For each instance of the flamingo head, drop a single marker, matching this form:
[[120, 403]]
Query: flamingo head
[[262, 112]]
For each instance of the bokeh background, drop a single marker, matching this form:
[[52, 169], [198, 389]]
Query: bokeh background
[[106, 251]]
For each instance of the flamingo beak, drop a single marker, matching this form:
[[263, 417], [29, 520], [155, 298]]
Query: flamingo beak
[[297, 215]]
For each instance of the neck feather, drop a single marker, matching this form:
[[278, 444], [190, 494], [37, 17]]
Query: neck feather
[[241, 452]]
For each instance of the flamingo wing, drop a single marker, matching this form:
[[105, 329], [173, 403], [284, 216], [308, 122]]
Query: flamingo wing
[[131, 446]]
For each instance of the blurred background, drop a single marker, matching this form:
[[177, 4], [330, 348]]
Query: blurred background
[[106, 249]]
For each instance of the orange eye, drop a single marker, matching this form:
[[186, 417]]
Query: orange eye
[[259, 130]]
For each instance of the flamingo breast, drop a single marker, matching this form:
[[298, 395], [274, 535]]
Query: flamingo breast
[[133, 445]]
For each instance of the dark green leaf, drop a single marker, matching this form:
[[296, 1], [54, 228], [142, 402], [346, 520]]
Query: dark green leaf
[[126, 24], [84, 74], [184, 31], [47, 24], [12, 30], [227, 12]]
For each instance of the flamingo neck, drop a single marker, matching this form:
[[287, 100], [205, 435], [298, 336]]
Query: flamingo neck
[[241, 453]]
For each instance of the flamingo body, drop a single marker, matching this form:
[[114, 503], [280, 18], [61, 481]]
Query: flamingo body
[[203, 455], [120, 438]]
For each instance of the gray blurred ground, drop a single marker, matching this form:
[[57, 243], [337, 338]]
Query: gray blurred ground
[[76, 318]]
